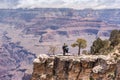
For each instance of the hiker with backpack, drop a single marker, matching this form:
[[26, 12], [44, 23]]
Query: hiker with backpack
[[65, 49]]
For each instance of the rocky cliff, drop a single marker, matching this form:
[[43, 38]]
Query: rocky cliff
[[84, 67]]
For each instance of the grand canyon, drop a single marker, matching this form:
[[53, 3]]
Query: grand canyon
[[26, 33]]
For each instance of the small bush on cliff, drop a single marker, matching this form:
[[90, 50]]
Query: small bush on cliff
[[52, 49], [85, 52], [80, 43]]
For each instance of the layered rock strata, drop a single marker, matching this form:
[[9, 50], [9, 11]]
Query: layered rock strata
[[85, 67]]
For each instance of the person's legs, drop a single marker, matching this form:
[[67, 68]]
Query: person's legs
[[64, 52]]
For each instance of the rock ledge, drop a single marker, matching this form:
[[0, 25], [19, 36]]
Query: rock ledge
[[84, 67]]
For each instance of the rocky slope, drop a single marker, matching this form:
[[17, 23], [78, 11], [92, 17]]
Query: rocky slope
[[39, 21], [59, 25], [85, 67], [15, 60]]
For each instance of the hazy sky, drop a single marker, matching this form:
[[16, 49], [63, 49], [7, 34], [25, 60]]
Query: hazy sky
[[77, 4]]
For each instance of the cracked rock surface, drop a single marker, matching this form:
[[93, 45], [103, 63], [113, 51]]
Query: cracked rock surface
[[84, 67]]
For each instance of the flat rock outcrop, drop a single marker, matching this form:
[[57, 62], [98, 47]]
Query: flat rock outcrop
[[84, 67]]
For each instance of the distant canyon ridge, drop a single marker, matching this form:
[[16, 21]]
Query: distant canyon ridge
[[62, 25]]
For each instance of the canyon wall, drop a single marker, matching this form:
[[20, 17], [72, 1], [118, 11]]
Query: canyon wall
[[84, 67]]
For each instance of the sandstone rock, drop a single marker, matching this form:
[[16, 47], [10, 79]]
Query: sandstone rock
[[97, 69], [84, 67], [41, 58]]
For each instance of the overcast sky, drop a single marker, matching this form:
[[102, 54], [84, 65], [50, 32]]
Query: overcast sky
[[76, 4]]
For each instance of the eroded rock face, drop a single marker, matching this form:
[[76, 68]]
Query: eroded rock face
[[85, 67]]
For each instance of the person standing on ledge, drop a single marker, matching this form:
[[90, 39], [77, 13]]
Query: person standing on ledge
[[65, 49]]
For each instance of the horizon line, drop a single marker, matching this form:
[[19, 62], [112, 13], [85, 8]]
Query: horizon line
[[61, 8]]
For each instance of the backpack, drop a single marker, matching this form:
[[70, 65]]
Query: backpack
[[66, 49]]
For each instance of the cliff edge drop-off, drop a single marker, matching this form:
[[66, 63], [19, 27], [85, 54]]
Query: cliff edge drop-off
[[84, 67]]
